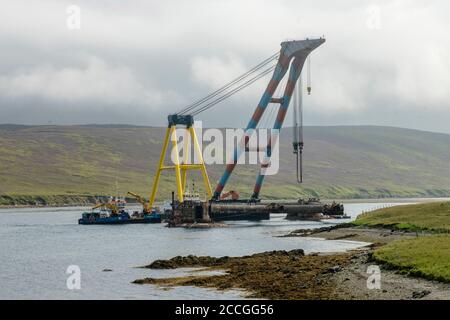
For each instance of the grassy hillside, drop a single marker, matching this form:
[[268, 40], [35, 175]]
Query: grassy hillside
[[340, 162]]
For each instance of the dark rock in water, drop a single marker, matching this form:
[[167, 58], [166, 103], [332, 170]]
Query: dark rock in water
[[223, 259], [107, 270], [334, 269], [188, 261], [193, 261], [144, 281], [420, 294], [297, 252]]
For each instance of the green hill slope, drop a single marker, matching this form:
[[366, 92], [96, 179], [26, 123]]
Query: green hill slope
[[340, 162]]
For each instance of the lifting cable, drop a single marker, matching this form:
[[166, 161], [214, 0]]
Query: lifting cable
[[232, 92], [308, 79], [298, 119], [198, 105]]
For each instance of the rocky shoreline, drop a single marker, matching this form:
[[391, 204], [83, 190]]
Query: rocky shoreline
[[294, 275], [375, 236], [272, 275], [54, 201]]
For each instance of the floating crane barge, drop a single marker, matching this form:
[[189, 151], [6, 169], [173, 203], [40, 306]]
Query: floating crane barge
[[289, 60], [189, 212]]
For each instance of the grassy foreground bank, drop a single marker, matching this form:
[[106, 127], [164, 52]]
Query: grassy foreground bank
[[426, 256], [433, 217]]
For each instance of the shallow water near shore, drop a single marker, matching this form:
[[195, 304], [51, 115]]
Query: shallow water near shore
[[38, 244]]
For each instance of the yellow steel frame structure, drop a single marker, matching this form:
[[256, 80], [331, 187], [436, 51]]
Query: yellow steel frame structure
[[180, 169]]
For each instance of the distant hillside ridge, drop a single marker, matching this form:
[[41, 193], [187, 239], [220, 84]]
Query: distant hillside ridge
[[78, 162]]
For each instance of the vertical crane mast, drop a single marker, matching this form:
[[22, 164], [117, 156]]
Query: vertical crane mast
[[292, 57]]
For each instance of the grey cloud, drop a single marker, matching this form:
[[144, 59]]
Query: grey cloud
[[135, 61]]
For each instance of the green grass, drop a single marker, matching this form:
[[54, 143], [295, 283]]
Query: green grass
[[427, 256], [433, 216]]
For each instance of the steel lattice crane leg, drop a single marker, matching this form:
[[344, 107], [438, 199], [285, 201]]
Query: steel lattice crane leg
[[289, 50], [180, 168]]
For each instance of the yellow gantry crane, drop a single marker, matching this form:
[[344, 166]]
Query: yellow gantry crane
[[180, 168]]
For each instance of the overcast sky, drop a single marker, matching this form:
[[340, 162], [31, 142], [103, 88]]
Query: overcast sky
[[384, 62]]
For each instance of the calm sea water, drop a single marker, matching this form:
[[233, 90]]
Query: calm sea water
[[37, 245]]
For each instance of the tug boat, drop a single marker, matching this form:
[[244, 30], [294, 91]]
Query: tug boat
[[113, 212]]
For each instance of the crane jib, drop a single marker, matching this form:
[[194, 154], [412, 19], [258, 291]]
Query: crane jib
[[292, 57]]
